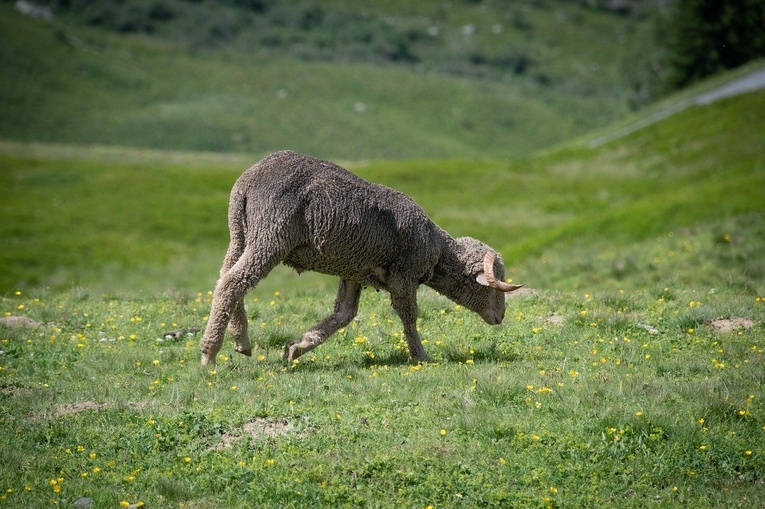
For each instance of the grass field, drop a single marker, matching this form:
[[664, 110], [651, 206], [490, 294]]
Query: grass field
[[622, 398], [630, 375]]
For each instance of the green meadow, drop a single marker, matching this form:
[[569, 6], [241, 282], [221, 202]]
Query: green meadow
[[631, 374], [628, 373], [127, 220]]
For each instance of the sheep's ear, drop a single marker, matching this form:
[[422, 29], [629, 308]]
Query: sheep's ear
[[481, 279]]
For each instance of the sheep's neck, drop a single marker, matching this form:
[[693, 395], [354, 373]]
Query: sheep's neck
[[447, 271]]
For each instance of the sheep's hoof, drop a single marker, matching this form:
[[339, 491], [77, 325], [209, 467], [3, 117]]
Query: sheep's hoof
[[247, 352], [416, 359], [289, 351], [207, 360], [292, 350]]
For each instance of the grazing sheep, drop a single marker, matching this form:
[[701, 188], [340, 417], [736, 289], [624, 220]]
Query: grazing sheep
[[314, 215]]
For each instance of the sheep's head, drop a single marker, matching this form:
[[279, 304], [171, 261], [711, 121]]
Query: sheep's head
[[481, 286]]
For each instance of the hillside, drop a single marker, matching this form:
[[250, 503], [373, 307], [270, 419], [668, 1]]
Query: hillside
[[489, 83], [136, 220]]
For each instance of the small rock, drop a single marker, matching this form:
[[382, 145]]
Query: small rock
[[179, 333], [83, 503], [651, 329]]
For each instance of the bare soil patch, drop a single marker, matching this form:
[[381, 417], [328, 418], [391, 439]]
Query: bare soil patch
[[553, 319], [521, 292], [14, 322], [64, 409], [80, 406], [730, 324], [255, 429]]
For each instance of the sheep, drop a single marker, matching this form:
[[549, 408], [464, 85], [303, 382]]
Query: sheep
[[311, 214]]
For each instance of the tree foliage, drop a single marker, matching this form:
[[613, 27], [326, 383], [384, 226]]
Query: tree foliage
[[689, 40], [704, 37]]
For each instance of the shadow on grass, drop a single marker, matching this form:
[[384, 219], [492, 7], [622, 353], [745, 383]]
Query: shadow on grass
[[488, 354], [393, 358], [272, 346]]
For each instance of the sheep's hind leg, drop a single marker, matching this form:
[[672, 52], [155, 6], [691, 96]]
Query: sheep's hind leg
[[238, 329], [228, 303], [237, 325], [346, 307]]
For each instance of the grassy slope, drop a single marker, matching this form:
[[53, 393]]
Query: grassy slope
[[64, 83], [697, 169], [137, 220]]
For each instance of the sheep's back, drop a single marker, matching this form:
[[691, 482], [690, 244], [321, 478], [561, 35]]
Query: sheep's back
[[340, 223]]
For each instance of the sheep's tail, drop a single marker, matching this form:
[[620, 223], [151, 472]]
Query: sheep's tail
[[237, 226]]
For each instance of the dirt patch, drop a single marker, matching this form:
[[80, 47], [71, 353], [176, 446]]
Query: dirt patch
[[64, 409], [553, 319], [730, 324], [74, 408], [255, 429], [521, 292], [14, 322]]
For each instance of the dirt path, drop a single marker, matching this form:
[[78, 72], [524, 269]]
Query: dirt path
[[755, 80]]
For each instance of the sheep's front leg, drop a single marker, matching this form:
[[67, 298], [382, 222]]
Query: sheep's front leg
[[346, 307], [405, 305]]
